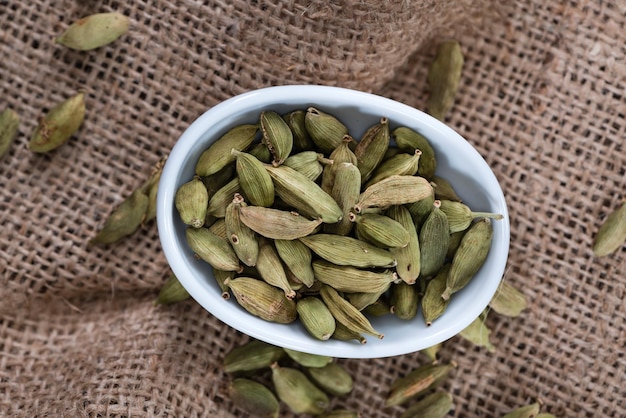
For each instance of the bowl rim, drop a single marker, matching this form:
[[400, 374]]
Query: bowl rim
[[313, 93]]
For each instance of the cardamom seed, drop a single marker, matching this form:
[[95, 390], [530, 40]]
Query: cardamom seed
[[263, 300], [254, 398], [297, 391], [94, 31], [612, 232], [58, 125], [9, 125], [444, 77]]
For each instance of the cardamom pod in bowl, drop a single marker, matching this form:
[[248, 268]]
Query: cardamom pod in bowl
[[340, 227]]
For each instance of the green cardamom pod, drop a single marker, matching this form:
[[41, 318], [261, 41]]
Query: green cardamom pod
[[394, 190], [418, 381], [261, 152], [316, 318], [432, 352], [351, 279], [216, 181], [58, 125], [304, 194], [347, 251], [172, 292], [219, 228], [612, 232], [325, 130], [343, 333], [277, 224], [263, 300], [444, 190], [362, 300], [212, 249], [455, 241], [478, 333], [297, 391], [435, 405], [307, 359], [346, 314], [460, 216], [124, 220], [277, 136], [371, 149], [254, 398], [251, 356], [94, 31], [306, 163], [508, 300], [219, 154], [401, 165], [271, 268], [223, 197], [340, 413], [297, 257], [433, 305], [346, 190], [254, 180], [9, 124], [243, 239], [380, 307], [434, 239], [470, 256], [301, 139], [444, 77], [421, 209], [191, 201], [404, 301], [220, 278], [150, 188], [527, 411], [332, 379], [409, 256], [341, 154], [408, 140], [380, 230]]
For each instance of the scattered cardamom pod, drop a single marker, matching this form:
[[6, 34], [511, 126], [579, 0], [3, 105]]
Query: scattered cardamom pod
[[528, 411], [211, 248], [297, 391], [254, 398], [172, 292], [58, 125], [124, 220], [332, 379], [444, 77], [416, 382], [307, 359], [251, 356], [9, 124], [612, 232], [478, 334], [432, 351], [508, 300], [94, 31], [435, 405]]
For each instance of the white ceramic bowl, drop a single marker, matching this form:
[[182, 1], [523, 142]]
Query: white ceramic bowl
[[457, 161]]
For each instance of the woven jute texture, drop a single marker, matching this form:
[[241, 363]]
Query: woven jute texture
[[542, 98]]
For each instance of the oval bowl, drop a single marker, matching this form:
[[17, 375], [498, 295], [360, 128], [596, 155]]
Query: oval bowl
[[457, 161]]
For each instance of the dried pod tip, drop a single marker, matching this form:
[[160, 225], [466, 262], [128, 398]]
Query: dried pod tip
[[237, 198], [418, 151], [384, 120], [437, 203], [352, 216]]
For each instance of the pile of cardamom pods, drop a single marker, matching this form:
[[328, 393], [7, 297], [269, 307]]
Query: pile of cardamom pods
[[299, 219]]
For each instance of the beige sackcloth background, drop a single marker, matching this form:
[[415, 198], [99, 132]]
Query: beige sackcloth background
[[542, 99]]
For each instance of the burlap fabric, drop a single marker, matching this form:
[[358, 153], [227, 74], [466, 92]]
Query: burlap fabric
[[542, 98]]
